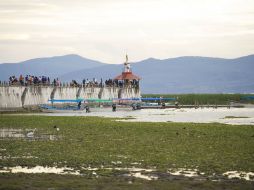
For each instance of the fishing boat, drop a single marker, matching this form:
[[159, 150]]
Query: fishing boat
[[79, 105], [147, 103], [157, 103], [62, 105]]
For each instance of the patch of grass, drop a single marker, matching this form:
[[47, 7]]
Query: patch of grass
[[94, 141], [234, 117], [129, 117], [52, 181], [124, 118], [204, 98]]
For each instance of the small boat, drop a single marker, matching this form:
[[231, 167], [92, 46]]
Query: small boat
[[59, 109], [63, 105], [72, 105], [75, 105], [149, 103]]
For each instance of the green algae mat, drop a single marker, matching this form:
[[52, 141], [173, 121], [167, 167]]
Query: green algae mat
[[100, 149]]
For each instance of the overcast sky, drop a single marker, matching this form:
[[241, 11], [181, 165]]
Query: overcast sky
[[105, 30]]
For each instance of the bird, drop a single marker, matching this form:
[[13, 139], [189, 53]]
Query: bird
[[31, 134], [55, 127]]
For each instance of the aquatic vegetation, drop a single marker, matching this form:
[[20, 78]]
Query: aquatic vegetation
[[204, 98], [235, 117], [95, 142]]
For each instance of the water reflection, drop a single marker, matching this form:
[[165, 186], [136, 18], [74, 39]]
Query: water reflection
[[26, 134]]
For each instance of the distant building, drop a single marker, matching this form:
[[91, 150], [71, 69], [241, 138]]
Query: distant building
[[127, 77]]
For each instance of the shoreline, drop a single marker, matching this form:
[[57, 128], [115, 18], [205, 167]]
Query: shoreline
[[233, 116]]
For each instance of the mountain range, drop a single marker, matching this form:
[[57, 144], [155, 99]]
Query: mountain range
[[187, 74]]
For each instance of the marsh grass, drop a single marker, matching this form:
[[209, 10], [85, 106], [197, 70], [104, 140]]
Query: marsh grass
[[52, 181], [94, 141], [211, 99], [235, 117]]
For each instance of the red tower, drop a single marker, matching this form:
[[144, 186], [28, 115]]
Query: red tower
[[127, 76]]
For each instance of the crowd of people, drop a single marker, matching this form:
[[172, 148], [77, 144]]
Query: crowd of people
[[120, 83], [46, 81], [29, 80], [107, 83], [92, 83]]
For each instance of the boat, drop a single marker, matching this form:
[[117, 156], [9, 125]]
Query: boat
[[147, 103], [83, 105], [61, 106], [72, 105]]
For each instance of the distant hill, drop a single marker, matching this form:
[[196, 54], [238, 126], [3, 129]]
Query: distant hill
[[49, 66], [186, 74], [198, 75]]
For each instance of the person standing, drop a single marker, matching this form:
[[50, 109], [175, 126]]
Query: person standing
[[79, 105], [113, 107]]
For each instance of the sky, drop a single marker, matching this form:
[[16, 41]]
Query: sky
[[105, 30]]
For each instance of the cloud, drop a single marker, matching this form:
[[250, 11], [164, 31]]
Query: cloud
[[15, 37], [102, 29]]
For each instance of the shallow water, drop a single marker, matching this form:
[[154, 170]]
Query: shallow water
[[143, 173], [235, 116], [11, 133], [143, 176], [249, 176], [26, 134], [185, 172], [40, 169]]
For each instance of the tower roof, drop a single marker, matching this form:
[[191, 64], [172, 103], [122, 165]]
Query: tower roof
[[127, 73], [127, 76]]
